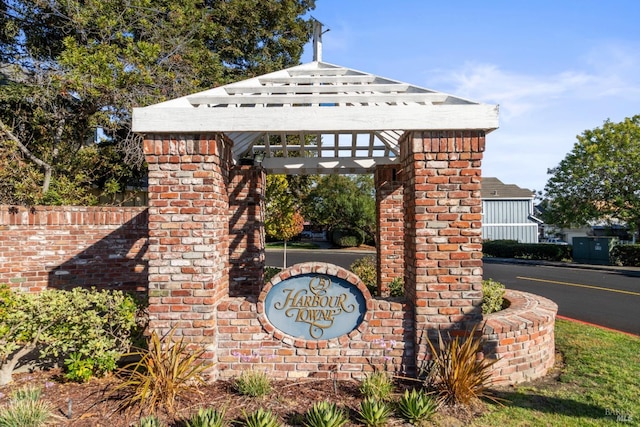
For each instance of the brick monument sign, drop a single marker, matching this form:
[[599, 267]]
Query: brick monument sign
[[206, 234]]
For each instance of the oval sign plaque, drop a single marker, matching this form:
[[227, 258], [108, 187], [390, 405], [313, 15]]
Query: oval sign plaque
[[315, 306]]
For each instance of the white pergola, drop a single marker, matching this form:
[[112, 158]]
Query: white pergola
[[316, 118]]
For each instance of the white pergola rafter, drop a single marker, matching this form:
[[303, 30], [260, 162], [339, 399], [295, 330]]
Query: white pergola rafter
[[316, 117]]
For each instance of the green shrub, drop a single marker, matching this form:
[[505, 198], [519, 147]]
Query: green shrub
[[492, 296], [378, 385], [97, 325], [261, 418], [625, 255], [208, 417], [78, 369], [270, 272], [537, 251], [25, 409], [253, 383], [325, 414], [396, 287], [457, 373], [163, 372], [365, 268], [374, 413], [347, 238], [416, 406]]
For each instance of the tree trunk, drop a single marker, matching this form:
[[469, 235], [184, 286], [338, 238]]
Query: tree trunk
[[44, 165], [6, 370]]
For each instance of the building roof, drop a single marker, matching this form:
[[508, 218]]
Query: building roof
[[493, 188], [349, 120]]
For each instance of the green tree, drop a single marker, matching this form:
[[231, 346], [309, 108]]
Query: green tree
[[599, 180], [69, 68], [283, 220], [343, 202]]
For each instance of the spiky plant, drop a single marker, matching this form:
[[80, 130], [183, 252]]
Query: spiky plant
[[253, 383], [261, 418], [377, 385], [207, 417], [325, 414], [416, 406], [150, 421], [25, 409], [164, 371], [457, 373], [374, 413]]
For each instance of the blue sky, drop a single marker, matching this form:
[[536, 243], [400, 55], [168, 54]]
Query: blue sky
[[555, 67]]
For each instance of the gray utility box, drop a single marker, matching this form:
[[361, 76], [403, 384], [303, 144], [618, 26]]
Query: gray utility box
[[593, 250]]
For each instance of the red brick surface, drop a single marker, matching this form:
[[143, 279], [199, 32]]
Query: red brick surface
[[67, 246]]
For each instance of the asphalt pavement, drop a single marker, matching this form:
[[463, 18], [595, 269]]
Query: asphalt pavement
[[603, 295]]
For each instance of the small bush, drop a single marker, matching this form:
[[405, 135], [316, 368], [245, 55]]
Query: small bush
[[163, 372], [261, 418], [492, 296], [347, 238], [325, 414], [87, 323], [270, 272], [416, 406], [365, 268], [457, 373], [374, 413], [253, 383], [378, 386], [208, 417], [25, 409], [396, 287], [151, 421]]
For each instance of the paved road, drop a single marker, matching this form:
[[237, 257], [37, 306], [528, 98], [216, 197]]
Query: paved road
[[608, 298], [604, 297]]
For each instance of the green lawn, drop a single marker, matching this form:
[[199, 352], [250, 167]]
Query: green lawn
[[598, 384]]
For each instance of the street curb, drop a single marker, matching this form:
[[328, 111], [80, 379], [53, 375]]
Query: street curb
[[582, 322]]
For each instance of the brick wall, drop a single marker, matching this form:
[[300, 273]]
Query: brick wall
[[521, 337], [67, 246], [247, 340], [390, 230]]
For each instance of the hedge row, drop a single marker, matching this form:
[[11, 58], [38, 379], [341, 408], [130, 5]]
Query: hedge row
[[513, 249], [625, 255]]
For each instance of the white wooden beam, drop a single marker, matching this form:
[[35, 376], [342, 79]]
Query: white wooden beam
[[346, 88], [316, 119], [319, 98], [308, 80]]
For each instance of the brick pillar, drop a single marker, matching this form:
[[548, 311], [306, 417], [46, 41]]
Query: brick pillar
[[390, 230], [188, 233], [246, 230], [443, 249]]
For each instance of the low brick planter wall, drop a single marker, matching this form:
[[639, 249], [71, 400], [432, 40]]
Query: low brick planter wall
[[246, 339], [521, 337], [384, 343]]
